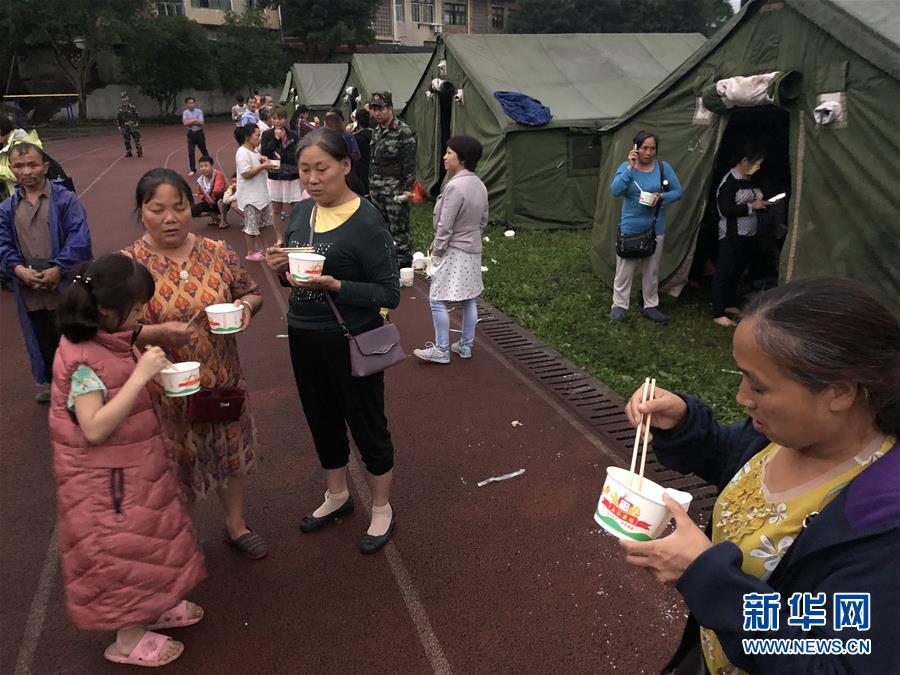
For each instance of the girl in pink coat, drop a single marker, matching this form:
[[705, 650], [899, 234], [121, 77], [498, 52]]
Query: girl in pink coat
[[129, 552]]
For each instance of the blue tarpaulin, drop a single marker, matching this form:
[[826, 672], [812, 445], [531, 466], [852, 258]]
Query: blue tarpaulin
[[524, 109]]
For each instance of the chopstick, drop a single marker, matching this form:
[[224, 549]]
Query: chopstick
[[637, 435], [191, 320], [646, 436]]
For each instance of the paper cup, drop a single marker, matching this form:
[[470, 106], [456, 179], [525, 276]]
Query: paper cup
[[305, 266], [406, 276], [181, 379], [225, 318], [647, 198], [274, 164], [627, 513]]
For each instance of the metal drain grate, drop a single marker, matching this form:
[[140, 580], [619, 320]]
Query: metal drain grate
[[595, 404]]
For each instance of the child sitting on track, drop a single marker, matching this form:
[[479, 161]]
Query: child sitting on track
[[129, 551]]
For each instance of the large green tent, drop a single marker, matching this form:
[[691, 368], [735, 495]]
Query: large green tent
[[840, 170], [540, 177], [396, 73], [317, 85]]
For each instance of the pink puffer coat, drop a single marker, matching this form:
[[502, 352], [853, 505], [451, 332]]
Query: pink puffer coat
[[129, 552]]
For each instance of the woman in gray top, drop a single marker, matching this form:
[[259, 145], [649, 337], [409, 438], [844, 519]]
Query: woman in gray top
[[460, 216]]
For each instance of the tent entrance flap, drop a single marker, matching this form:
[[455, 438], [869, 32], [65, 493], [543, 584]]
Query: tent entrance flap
[[445, 108], [769, 129]]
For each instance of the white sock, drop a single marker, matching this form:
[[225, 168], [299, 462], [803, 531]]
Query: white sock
[[381, 520], [333, 501]]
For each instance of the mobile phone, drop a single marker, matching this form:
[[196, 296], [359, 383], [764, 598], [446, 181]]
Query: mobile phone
[[779, 196]]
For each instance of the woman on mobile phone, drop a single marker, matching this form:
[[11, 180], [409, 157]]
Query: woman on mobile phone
[[738, 200]]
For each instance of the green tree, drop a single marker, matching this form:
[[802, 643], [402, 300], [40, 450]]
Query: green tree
[[617, 16], [76, 32], [168, 54], [247, 54], [324, 26]]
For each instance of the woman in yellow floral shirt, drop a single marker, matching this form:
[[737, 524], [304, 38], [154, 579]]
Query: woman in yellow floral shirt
[[810, 488], [192, 272]]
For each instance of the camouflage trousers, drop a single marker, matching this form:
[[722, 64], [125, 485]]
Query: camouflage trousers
[[395, 214], [127, 134]]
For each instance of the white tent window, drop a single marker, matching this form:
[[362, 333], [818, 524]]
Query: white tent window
[[831, 110]]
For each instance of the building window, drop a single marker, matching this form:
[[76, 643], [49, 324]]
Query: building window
[[455, 14], [170, 8], [584, 154], [224, 5], [384, 24], [422, 11], [399, 11], [498, 18]]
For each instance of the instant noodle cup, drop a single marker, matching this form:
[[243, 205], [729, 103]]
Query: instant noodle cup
[[647, 198], [181, 379], [629, 513], [406, 276], [305, 266], [274, 164], [225, 318]]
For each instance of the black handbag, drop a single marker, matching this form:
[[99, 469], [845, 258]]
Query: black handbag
[[642, 244], [375, 350]]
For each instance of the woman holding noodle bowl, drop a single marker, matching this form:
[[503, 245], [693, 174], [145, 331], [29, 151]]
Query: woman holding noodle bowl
[[809, 499]]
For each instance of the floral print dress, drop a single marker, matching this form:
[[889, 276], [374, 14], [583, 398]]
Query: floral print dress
[[764, 524], [207, 453]]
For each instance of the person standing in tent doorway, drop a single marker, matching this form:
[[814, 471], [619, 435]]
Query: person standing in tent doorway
[[392, 171], [129, 123], [192, 121], [648, 186]]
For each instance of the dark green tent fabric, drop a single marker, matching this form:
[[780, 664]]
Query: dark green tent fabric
[[396, 73], [317, 85], [842, 217], [539, 177]]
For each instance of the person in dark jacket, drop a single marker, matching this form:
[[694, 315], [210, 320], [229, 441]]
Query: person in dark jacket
[[805, 533], [285, 190], [363, 136], [738, 201]]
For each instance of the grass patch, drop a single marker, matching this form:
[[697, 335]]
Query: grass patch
[[543, 280]]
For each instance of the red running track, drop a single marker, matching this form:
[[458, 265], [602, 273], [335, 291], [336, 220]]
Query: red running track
[[510, 577]]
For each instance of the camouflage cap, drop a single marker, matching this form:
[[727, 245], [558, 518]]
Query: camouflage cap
[[382, 99]]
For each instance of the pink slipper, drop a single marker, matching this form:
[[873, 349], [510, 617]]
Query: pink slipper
[[177, 617], [146, 652]]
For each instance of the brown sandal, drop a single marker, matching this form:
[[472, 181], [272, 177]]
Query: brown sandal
[[250, 544]]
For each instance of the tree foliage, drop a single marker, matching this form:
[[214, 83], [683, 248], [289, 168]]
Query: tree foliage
[[247, 54], [618, 16], [76, 32], [324, 26], [168, 54]]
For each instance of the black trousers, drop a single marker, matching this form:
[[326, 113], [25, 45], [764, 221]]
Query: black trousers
[[734, 255], [43, 322], [196, 139], [333, 400]]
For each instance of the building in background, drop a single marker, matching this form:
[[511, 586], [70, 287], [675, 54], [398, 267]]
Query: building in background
[[211, 13], [420, 22]]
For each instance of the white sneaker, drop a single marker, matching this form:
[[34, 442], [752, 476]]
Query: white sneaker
[[432, 353], [463, 351]]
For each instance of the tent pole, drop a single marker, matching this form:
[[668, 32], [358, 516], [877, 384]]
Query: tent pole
[[795, 198]]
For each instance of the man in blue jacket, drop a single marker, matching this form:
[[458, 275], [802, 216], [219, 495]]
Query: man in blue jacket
[[43, 234]]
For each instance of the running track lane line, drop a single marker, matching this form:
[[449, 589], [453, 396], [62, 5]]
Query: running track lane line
[[414, 606], [38, 612]]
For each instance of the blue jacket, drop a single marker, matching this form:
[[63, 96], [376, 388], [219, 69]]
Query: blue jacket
[[635, 216], [70, 244], [853, 545]]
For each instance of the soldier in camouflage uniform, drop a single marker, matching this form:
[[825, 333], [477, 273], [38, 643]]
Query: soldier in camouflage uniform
[[129, 123], [392, 171]]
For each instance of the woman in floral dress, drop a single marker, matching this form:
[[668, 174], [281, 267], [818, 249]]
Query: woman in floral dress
[[192, 272]]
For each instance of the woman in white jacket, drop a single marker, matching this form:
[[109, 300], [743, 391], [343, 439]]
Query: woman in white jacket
[[460, 216]]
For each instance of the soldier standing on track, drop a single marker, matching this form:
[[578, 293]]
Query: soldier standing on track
[[129, 123], [392, 171]]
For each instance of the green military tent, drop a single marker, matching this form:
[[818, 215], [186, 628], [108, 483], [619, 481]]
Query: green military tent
[[396, 73], [828, 117], [317, 85], [537, 177]]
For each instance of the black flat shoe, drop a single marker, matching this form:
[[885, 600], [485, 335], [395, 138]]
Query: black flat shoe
[[370, 544], [310, 523]]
